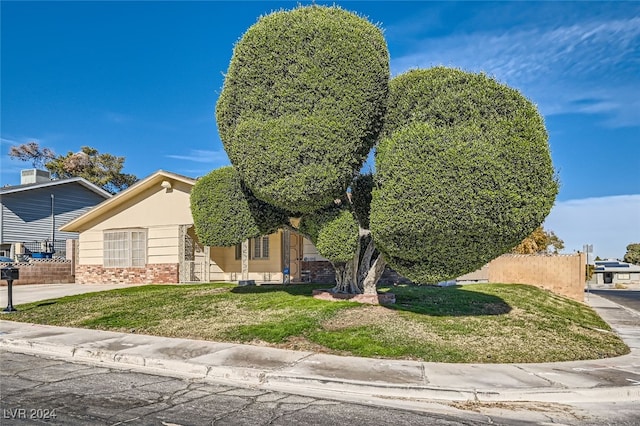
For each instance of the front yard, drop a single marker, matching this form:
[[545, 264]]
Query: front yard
[[482, 323]]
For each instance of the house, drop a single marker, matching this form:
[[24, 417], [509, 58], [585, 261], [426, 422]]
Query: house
[[145, 234], [32, 213], [616, 272]]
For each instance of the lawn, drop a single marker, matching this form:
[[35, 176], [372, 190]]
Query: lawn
[[481, 323]]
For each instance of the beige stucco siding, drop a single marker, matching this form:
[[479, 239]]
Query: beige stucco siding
[[157, 210], [311, 252], [226, 258], [90, 248], [163, 244], [153, 207]]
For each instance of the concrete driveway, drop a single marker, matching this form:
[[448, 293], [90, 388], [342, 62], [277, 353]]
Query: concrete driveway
[[34, 292]]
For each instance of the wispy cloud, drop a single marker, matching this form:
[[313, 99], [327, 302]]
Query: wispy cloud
[[609, 223], [556, 67], [16, 141], [215, 158]]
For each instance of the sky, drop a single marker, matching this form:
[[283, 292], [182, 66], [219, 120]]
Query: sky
[[141, 80]]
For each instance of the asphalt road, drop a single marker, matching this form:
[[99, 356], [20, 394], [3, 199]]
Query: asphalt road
[[627, 298], [37, 390]]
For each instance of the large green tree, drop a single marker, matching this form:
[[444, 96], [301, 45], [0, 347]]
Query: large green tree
[[102, 169], [463, 169], [633, 254]]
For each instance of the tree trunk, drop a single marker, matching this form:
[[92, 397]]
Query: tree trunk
[[362, 273]]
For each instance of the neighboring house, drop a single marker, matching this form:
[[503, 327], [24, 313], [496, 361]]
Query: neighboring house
[[145, 234], [616, 272], [32, 213]]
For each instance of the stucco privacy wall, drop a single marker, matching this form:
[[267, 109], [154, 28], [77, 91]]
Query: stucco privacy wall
[[563, 274]]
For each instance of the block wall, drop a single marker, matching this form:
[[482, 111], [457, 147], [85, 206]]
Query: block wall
[[43, 271], [563, 274]]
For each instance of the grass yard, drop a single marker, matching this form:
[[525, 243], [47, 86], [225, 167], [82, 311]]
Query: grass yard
[[482, 323]]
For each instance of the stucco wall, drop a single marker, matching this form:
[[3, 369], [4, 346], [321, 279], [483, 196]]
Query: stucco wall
[[563, 274], [162, 244]]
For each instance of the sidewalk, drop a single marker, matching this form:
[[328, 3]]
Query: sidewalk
[[612, 379]]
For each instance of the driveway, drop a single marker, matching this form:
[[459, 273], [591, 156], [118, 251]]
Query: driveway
[[34, 292]]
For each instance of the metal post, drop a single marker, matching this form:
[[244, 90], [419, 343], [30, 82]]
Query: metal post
[[9, 307], [587, 248], [53, 223]]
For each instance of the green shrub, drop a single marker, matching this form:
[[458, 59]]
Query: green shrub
[[303, 103], [225, 212], [333, 231], [464, 174]]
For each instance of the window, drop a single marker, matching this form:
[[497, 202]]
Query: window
[[125, 248], [258, 248], [261, 247]]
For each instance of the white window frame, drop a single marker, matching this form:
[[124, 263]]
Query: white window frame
[[127, 250]]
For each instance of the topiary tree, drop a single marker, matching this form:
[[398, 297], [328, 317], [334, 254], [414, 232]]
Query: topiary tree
[[464, 173], [303, 103], [463, 166], [225, 212]]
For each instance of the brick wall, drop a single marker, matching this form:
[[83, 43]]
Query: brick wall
[[564, 274], [43, 271], [165, 273], [323, 272], [320, 271]]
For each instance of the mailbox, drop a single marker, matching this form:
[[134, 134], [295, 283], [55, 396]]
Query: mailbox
[[9, 274]]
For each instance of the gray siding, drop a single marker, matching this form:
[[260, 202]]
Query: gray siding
[[26, 215]]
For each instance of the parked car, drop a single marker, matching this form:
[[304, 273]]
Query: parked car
[[5, 259]]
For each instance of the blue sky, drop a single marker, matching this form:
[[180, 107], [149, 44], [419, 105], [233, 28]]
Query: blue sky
[[141, 79]]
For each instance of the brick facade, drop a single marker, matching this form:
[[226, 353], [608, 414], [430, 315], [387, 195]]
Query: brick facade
[[322, 272], [164, 273], [43, 271]]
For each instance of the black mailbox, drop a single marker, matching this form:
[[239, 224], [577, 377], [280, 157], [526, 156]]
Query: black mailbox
[[9, 273]]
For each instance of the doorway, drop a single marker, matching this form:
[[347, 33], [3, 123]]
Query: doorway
[[295, 256]]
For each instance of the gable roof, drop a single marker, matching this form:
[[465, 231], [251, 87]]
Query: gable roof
[[31, 186], [124, 196]]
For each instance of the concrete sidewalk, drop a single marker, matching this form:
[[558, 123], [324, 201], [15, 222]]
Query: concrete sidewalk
[[613, 379]]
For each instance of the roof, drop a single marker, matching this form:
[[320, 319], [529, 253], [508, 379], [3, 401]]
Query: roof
[[123, 196], [31, 186], [603, 266]]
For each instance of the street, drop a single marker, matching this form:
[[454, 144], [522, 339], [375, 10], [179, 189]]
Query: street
[[627, 298], [36, 390]]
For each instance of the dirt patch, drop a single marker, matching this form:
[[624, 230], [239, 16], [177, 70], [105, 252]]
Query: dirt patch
[[366, 315], [299, 343], [553, 410]]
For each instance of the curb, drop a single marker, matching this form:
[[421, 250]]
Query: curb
[[313, 385]]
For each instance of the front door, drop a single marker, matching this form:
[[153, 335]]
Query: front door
[[608, 277], [295, 256]]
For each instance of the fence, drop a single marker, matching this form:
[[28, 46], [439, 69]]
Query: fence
[[562, 274], [45, 249]]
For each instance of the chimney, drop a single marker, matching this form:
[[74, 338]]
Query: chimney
[[29, 176]]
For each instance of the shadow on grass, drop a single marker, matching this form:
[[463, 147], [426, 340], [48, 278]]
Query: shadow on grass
[[427, 300]]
